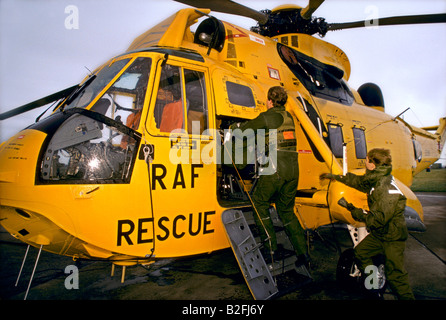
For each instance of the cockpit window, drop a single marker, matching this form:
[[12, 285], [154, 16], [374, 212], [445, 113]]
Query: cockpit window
[[124, 100], [82, 97], [322, 80]]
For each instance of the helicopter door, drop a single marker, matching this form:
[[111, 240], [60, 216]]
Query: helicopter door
[[183, 170]]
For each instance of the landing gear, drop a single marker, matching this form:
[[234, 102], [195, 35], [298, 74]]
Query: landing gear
[[347, 273], [350, 277]]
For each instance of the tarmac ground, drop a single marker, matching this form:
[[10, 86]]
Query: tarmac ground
[[216, 276]]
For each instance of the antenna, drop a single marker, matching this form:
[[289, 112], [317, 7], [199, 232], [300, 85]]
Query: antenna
[[88, 70], [401, 114]]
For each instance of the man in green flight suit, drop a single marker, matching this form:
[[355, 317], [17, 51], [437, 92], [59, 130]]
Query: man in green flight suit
[[278, 182], [384, 220]]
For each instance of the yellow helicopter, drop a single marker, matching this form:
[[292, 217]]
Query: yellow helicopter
[[136, 152]]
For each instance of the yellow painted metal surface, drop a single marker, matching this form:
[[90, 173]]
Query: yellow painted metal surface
[[171, 208]]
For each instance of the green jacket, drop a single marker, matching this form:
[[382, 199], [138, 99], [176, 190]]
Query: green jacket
[[385, 220], [287, 157]]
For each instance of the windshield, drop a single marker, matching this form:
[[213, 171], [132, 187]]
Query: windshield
[[124, 99], [85, 94]]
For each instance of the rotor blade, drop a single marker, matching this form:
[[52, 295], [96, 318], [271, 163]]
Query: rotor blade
[[38, 103], [417, 19], [310, 8], [227, 6]]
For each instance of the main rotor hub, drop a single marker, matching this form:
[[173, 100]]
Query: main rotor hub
[[289, 20]]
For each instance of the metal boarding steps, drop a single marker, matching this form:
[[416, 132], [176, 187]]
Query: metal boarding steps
[[265, 277]]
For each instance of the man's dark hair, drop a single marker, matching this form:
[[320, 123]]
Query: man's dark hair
[[278, 96], [380, 157]]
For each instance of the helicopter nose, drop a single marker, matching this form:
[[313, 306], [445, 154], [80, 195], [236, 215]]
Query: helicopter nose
[[19, 199], [37, 230], [18, 158], [27, 226], [37, 213]]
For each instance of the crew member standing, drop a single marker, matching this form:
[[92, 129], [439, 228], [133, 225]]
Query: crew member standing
[[277, 183], [384, 220]]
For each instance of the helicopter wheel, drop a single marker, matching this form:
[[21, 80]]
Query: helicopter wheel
[[345, 268], [348, 275]]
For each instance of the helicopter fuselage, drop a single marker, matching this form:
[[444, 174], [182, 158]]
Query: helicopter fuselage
[[130, 167]]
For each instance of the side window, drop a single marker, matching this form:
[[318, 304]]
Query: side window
[[322, 80], [181, 102], [336, 139], [360, 143], [418, 152], [169, 109], [197, 109], [240, 95]]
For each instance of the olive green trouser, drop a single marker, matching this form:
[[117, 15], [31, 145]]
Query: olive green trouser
[[396, 275], [273, 188]]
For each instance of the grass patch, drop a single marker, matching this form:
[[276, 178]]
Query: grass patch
[[433, 181]]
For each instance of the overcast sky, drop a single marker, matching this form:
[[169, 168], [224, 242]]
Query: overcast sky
[[39, 55]]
